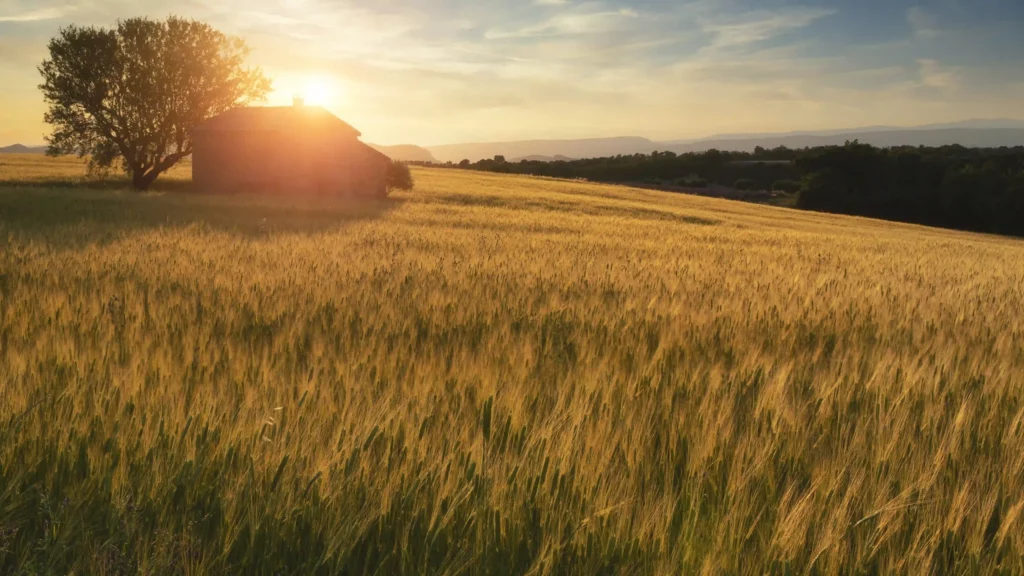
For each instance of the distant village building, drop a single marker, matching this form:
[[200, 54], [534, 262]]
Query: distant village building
[[289, 149]]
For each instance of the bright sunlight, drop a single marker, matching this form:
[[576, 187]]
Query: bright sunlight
[[319, 91], [313, 88]]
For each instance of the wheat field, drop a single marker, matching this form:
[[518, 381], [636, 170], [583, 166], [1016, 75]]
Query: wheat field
[[500, 375]]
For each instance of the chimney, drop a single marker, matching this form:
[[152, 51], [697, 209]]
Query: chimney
[[298, 101]]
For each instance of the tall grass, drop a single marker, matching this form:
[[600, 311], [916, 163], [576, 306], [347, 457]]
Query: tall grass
[[35, 170], [502, 375]]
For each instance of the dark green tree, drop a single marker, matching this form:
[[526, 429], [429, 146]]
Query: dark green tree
[[132, 94], [787, 186], [744, 184], [399, 176]]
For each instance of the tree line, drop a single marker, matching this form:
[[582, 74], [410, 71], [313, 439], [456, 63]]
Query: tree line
[[763, 168], [952, 187], [977, 189]]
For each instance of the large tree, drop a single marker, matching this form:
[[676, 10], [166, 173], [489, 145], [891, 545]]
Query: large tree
[[132, 94]]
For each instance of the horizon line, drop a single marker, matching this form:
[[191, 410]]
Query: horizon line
[[951, 125]]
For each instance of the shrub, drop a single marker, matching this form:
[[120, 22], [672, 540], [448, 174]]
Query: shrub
[[399, 176], [744, 184], [787, 186]]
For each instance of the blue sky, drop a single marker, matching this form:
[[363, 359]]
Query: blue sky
[[441, 71]]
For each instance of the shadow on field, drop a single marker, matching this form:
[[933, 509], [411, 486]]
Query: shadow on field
[[119, 184], [71, 217]]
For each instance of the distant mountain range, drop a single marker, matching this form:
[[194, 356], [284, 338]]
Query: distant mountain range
[[405, 153], [587, 148], [20, 149], [540, 158], [1005, 123], [971, 133]]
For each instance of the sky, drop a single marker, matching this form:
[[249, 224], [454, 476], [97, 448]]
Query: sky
[[433, 72]]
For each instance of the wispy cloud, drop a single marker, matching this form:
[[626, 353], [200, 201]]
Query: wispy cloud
[[36, 15], [567, 24], [759, 26], [922, 22], [935, 75]]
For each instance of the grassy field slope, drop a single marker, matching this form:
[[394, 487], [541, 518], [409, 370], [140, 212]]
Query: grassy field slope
[[501, 375], [36, 170]]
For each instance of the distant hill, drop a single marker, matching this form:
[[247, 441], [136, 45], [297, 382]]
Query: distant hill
[[539, 158], [972, 124], [586, 148], [970, 133], [22, 149], [406, 153], [971, 138]]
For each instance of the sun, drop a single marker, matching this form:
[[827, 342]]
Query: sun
[[319, 91], [310, 88]]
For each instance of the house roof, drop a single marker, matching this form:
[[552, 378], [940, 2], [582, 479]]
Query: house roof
[[274, 119], [374, 152]]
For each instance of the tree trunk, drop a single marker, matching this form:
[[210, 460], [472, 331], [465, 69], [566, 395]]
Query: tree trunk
[[141, 181]]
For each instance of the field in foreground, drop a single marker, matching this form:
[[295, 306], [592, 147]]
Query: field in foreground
[[502, 375]]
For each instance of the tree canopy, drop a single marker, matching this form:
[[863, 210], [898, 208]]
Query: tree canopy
[[132, 94], [399, 177]]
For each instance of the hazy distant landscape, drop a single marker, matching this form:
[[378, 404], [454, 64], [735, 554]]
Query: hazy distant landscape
[[974, 134], [22, 149], [979, 133]]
